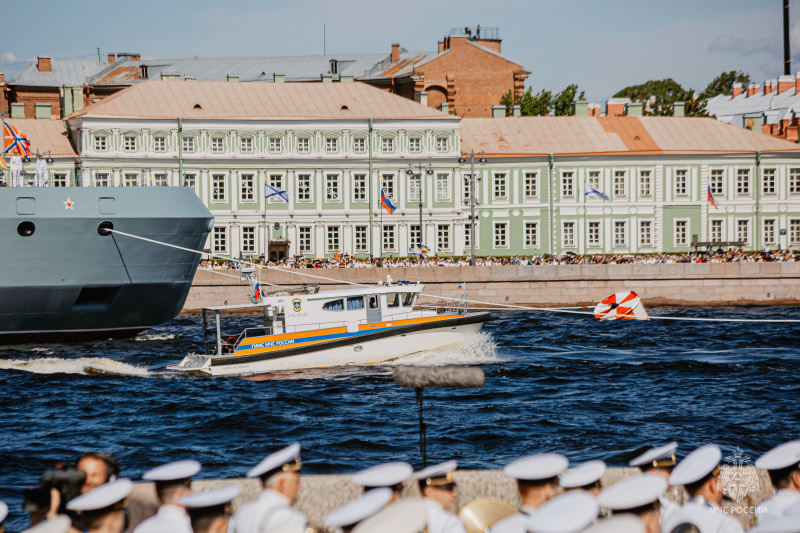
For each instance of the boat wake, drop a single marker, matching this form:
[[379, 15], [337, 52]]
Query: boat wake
[[87, 366], [477, 349]]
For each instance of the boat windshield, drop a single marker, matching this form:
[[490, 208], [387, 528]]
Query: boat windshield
[[408, 300], [355, 303], [334, 305], [393, 299]]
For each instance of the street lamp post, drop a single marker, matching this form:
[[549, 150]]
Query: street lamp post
[[473, 200], [410, 172]]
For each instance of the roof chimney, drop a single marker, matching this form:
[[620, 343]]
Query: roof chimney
[[752, 89], [785, 83], [43, 64], [279, 78], [678, 109], [737, 89], [633, 110], [395, 53], [498, 111], [2, 77], [111, 58], [445, 107], [580, 109], [233, 77], [441, 47], [769, 86], [326, 78], [516, 110], [421, 97]]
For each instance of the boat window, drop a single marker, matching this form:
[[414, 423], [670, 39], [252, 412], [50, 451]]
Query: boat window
[[334, 305], [373, 302], [393, 299], [355, 302], [408, 299]]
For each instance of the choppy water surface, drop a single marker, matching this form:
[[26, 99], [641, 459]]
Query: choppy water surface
[[590, 390]]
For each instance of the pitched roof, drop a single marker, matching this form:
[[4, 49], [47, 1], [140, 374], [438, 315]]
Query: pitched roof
[[251, 101], [526, 136], [46, 135], [69, 73]]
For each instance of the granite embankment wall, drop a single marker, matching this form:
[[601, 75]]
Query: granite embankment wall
[[689, 284]]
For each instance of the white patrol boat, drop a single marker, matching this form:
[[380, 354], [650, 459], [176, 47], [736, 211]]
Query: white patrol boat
[[304, 328]]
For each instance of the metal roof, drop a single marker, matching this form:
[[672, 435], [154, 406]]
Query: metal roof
[[525, 136], [250, 101], [725, 107], [64, 73], [46, 135]]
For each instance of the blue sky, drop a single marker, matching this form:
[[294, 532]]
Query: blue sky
[[602, 45]]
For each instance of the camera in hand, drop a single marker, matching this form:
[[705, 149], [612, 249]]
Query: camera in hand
[[67, 479]]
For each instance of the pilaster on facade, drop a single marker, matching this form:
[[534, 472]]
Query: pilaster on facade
[[205, 180], [320, 188], [346, 191], [290, 188], [116, 177]]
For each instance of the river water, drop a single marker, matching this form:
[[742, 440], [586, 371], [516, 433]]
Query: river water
[[565, 383]]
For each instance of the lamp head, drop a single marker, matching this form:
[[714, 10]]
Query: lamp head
[[482, 161], [461, 160], [409, 172]]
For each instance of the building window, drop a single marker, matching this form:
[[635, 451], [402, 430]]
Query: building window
[[246, 145], [100, 143], [768, 181], [681, 229], [743, 181], [569, 234], [190, 180], [221, 240], [275, 145], [619, 183], [276, 181], [716, 181], [794, 231], [160, 179], [332, 188], [500, 187], [794, 181], [769, 231], [501, 235], [567, 184], [248, 240], [620, 233], [304, 187], [131, 180], [680, 183], [531, 184], [219, 193], [594, 179], [594, 234], [333, 239], [361, 238], [468, 235], [645, 183], [441, 144], [387, 184], [248, 188], [359, 187], [414, 188], [414, 145], [443, 236], [304, 239], [101, 179], [387, 145], [414, 235], [743, 231], [159, 144], [359, 145], [303, 145], [217, 145], [716, 231], [331, 145], [442, 187], [59, 180], [645, 233], [388, 239], [531, 234], [188, 144], [468, 187]]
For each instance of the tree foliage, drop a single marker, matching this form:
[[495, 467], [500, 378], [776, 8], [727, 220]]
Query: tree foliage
[[543, 103], [723, 84], [660, 95]]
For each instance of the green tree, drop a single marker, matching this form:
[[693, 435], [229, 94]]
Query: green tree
[[664, 93], [542, 103], [562, 103], [537, 105], [723, 84]]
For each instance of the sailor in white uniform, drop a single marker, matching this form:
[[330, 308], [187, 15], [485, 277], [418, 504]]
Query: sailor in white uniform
[[15, 165], [280, 477], [699, 475], [41, 171], [571, 512], [537, 482], [58, 524], [346, 517], [622, 523], [661, 460], [439, 493], [173, 482], [210, 511], [585, 476], [102, 510], [783, 465], [405, 516], [391, 475], [638, 496]]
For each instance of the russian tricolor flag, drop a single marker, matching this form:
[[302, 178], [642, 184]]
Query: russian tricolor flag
[[387, 203], [257, 294], [711, 199]]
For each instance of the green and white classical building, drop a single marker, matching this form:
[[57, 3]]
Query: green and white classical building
[[334, 146]]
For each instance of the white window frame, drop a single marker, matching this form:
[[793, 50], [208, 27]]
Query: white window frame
[[331, 144], [681, 182], [620, 183], [246, 145], [333, 239], [360, 187], [568, 237], [220, 232], [414, 192], [159, 143], [387, 144], [531, 184], [361, 238], [333, 189], [307, 195], [719, 223], [794, 231], [305, 237], [102, 179], [500, 186], [769, 231], [219, 188], [101, 142], [414, 235], [188, 144], [190, 180], [594, 179], [246, 196], [743, 187], [249, 244], [773, 174], [303, 144], [716, 180], [126, 181], [442, 187], [412, 141], [441, 144], [389, 238], [60, 179], [743, 222], [598, 241], [650, 225], [129, 143], [359, 145], [794, 180], [160, 179], [506, 235], [567, 184], [680, 232], [275, 144], [467, 228], [276, 180], [443, 237], [624, 224], [387, 184], [646, 183], [531, 229], [217, 144]]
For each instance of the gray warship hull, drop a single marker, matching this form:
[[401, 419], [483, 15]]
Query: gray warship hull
[[63, 279]]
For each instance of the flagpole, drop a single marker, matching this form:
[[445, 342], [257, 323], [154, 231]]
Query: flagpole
[[380, 236]]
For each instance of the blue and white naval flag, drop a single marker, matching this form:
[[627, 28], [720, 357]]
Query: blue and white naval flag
[[591, 192], [272, 192]]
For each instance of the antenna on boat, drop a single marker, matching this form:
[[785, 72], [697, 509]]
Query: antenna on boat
[[422, 377]]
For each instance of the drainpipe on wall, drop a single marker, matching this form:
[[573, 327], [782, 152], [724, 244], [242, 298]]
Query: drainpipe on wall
[[550, 211], [756, 239], [181, 181], [371, 197]]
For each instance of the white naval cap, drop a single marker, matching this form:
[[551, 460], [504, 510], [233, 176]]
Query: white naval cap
[[405, 516], [568, 513], [584, 474], [537, 467], [441, 474], [59, 524], [175, 471], [360, 508], [697, 465], [654, 455], [619, 523], [783, 456], [633, 492], [286, 459], [210, 498], [103, 496], [3, 511], [385, 475]]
